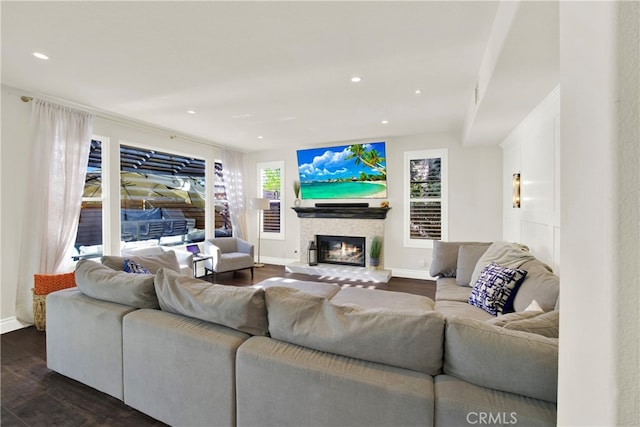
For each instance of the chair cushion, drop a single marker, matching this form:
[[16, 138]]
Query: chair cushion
[[240, 308], [103, 283], [226, 244], [234, 261]]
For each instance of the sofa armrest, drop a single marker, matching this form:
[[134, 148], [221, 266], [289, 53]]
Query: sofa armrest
[[185, 258], [245, 247], [215, 252]]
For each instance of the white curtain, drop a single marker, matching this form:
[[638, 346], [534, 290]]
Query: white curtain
[[60, 142], [232, 168]]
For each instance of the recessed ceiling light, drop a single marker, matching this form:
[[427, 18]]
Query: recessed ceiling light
[[418, 91], [190, 112], [384, 122], [40, 55], [260, 136], [356, 79]]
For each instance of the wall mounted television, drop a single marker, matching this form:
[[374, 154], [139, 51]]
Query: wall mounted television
[[355, 171]]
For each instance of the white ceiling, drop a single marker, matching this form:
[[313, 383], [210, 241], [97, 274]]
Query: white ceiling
[[279, 70]]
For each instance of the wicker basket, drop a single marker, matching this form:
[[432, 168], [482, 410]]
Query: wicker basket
[[44, 284]]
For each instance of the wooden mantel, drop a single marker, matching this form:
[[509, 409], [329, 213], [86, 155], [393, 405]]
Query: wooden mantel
[[342, 212]]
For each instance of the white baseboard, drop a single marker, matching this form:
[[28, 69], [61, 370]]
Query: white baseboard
[[276, 261], [411, 274], [11, 324]]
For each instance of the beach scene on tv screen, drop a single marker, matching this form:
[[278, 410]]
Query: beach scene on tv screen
[[355, 171]]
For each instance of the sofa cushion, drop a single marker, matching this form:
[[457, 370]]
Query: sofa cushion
[[545, 324], [103, 283], [240, 308], [282, 384], [462, 309], [448, 290], [540, 285], [372, 299], [444, 259], [460, 403], [501, 359], [165, 259], [512, 317], [321, 289], [492, 290], [507, 254], [407, 338], [468, 256]]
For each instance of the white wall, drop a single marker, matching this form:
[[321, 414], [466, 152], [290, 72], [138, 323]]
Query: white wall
[[13, 195], [15, 175], [533, 150], [475, 200], [600, 249]]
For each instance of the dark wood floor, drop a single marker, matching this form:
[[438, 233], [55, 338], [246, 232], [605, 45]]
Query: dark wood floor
[[32, 395]]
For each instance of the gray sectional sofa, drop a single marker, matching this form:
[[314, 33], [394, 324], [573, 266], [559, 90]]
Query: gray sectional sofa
[[294, 353]]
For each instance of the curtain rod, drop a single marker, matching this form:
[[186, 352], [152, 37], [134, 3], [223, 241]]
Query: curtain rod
[[142, 125]]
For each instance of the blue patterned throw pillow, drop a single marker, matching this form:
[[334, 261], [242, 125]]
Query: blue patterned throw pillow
[[494, 286], [130, 266]]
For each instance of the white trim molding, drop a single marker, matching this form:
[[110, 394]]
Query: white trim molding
[[11, 324]]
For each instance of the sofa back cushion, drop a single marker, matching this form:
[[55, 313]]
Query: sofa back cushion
[[226, 245], [407, 338], [540, 285], [546, 324], [321, 289], [152, 262], [506, 254], [501, 359], [240, 308], [468, 256], [103, 283], [444, 261]]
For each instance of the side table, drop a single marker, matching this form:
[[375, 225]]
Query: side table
[[198, 258]]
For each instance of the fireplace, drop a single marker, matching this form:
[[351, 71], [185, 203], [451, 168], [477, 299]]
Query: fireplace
[[344, 250]]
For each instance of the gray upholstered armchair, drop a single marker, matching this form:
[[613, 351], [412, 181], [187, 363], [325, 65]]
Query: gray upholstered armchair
[[229, 254]]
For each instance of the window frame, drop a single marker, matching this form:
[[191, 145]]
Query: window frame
[[219, 182], [260, 166], [103, 199], [442, 154]]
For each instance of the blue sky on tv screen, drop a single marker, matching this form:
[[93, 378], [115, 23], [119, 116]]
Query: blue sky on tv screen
[[326, 163]]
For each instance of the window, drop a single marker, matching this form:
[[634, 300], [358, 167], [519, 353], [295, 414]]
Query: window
[[221, 205], [271, 178], [425, 190], [162, 197], [89, 237]]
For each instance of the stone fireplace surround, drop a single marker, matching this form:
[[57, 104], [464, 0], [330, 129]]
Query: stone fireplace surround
[[352, 223]]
